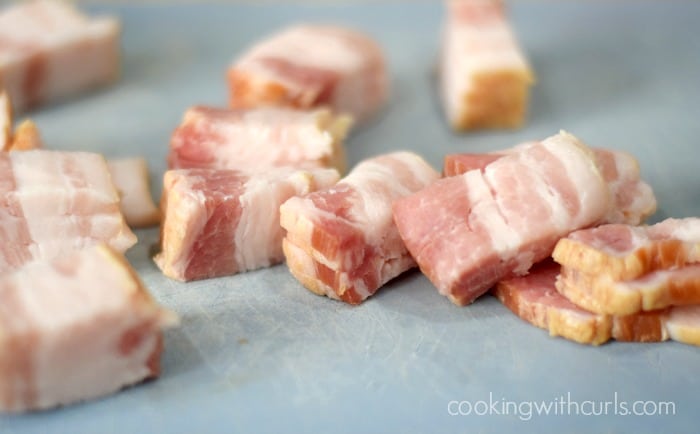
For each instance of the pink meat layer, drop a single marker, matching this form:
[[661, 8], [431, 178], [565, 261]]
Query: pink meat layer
[[468, 232]]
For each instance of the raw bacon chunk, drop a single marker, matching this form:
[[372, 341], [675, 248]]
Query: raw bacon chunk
[[484, 77], [74, 328], [341, 242], [221, 222], [535, 299], [309, 66], [130, 177], [258, 139], [468, 232], [42, 41], [633, 198], [625, 252], [52, 202]]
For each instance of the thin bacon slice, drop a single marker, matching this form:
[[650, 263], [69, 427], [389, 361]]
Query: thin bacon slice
[[130, 177], [484, 77], [535, 299], [308, 66], [625, 252], [468, 232], [258, 139], [75, 328], [53, 202], [42, 41], [221, 222], [342, 242]]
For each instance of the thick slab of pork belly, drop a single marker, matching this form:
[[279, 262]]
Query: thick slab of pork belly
[[624, 252], [341, 241], [468, 232], [53, 202], [221, 222], [308, 66], [74, 328], [535, 299], [216, 138], [130, 177], [634, 200], [42, 41], [484, 76]]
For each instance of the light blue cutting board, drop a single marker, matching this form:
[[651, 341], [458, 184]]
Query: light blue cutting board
[[258, 353]]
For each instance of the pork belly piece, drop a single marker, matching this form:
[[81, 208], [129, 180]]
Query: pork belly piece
[[52, 202], [221, 222], [634, 200], [306, 66], [130, 177], [624, 252], [654, 290], [42, 41], [484, 76], [535, 299], [258, 139], [468, 232], [341, 241], [74, 328], [6, 121]]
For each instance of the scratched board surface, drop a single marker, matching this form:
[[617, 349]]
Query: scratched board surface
[[258, 353]]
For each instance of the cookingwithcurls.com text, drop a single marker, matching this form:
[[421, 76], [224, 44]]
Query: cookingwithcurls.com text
[[564, 405]]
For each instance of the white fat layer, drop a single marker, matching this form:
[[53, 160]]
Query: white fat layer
[[270, 136], [486, 211], [580, 166], [258, 237], [379, 184]]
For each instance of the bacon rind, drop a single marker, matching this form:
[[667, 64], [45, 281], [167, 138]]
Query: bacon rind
[[534, 299], [50, 356], [6, 121]]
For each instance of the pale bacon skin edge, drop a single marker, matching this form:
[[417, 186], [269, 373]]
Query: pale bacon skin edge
[[130, 178], [619, 269], [76, 328], [259, 139], [220, 222], [307, 66], [484, 76], [43, 41], [634, 200], [342, 242], [534, 299], [55, 202], [468, 232], [625, 252], [6, 121]]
